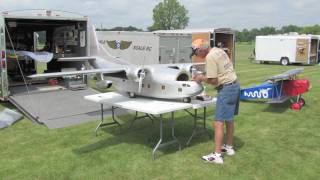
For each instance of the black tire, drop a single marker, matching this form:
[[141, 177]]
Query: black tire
[[131, 94], [284, 61]]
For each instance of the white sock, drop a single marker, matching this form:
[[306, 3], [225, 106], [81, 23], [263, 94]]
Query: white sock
[[229, 147], [217, 154]]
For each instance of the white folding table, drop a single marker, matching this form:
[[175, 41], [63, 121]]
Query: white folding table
[[154, 109]]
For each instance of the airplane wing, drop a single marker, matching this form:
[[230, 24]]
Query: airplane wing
[[177, 65], [286, 75], [72, 73], [70, 59]]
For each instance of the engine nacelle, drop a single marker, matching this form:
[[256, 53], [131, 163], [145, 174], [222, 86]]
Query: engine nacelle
[[168, 74], [134, 73], [188, 68], [103, 84]]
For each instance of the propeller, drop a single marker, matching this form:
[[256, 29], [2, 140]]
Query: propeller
[[142, 75]]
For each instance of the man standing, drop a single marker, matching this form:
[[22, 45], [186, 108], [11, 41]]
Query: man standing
[[221, 74]]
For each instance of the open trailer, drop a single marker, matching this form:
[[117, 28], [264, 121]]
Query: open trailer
[[32, 41]]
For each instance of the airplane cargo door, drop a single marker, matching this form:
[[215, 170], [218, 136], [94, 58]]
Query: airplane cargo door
[[56, 107]]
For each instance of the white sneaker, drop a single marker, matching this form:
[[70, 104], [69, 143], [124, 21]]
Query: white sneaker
[[228, 150], [213, 158]]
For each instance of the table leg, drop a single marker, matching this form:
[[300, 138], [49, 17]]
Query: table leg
[[140, 117], [161, 144], [102, 124], [196, 130]]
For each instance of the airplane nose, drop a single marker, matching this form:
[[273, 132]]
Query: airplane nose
[[197, 87]]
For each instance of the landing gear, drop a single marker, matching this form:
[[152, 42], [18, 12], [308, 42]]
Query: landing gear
[[298, 105]]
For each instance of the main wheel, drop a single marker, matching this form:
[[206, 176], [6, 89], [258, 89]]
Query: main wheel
[[295, 106], [284, 61]]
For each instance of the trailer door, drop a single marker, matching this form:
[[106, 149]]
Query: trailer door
[[302, 50], [3, 64]]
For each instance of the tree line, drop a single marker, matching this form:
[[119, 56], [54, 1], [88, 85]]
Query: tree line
[[249, 35]]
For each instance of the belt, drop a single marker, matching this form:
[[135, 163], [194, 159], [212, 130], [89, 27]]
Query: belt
[[228, 84], [224, 85]]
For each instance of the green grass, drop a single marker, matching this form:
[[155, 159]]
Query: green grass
[[272, 142]]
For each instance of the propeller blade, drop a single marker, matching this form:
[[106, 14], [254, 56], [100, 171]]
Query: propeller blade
[[142, 75]]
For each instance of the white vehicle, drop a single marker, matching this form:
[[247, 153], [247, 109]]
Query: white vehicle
[[218, 37], [287, 49], [29, 38], [163, 47]]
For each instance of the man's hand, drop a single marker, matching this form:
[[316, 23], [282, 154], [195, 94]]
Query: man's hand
[[199, 78]]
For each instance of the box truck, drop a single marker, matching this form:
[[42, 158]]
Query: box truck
[[287, 49]]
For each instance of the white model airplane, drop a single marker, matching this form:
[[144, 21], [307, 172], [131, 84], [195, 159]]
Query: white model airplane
[[158, 81]]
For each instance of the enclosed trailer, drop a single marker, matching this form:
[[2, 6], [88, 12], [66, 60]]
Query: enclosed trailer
[[222, 37], [165, 46], [144, 48], [287, 49], [31, 42]]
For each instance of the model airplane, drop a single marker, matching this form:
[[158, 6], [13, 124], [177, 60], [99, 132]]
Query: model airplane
[[158, 81], [279, 89]]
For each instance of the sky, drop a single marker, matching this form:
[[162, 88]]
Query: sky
[[236, 14]]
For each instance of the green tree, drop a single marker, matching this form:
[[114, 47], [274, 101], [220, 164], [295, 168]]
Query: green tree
[[290, 28], [311, 29], [169, 14]]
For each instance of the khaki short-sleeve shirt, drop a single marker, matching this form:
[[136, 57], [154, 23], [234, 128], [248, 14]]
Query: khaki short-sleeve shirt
[[218, 65]]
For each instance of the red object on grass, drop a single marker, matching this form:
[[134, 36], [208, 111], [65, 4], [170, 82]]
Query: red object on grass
[[296, 106], [53, 81], [295, 87]]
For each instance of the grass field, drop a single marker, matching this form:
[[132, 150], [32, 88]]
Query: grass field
[[272, 142]]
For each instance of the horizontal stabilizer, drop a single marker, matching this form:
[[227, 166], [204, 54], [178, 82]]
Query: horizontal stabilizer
[[73, 73]]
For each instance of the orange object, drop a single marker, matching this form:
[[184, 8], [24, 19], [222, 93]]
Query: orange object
[[200, 43]]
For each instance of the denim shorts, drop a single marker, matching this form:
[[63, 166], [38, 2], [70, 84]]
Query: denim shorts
[[227, 102]]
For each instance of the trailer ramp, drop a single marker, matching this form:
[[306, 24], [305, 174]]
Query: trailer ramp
[[56, 107]]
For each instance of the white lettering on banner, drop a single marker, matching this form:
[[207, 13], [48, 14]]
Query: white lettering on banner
[[264, 93]]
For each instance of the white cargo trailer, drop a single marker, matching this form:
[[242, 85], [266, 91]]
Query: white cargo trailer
[[32, 41], [165, 46], [147, 47], [222, 37], [287, 49]]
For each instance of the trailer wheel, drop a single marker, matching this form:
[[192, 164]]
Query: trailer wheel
[[284, 61], [132, 94]]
